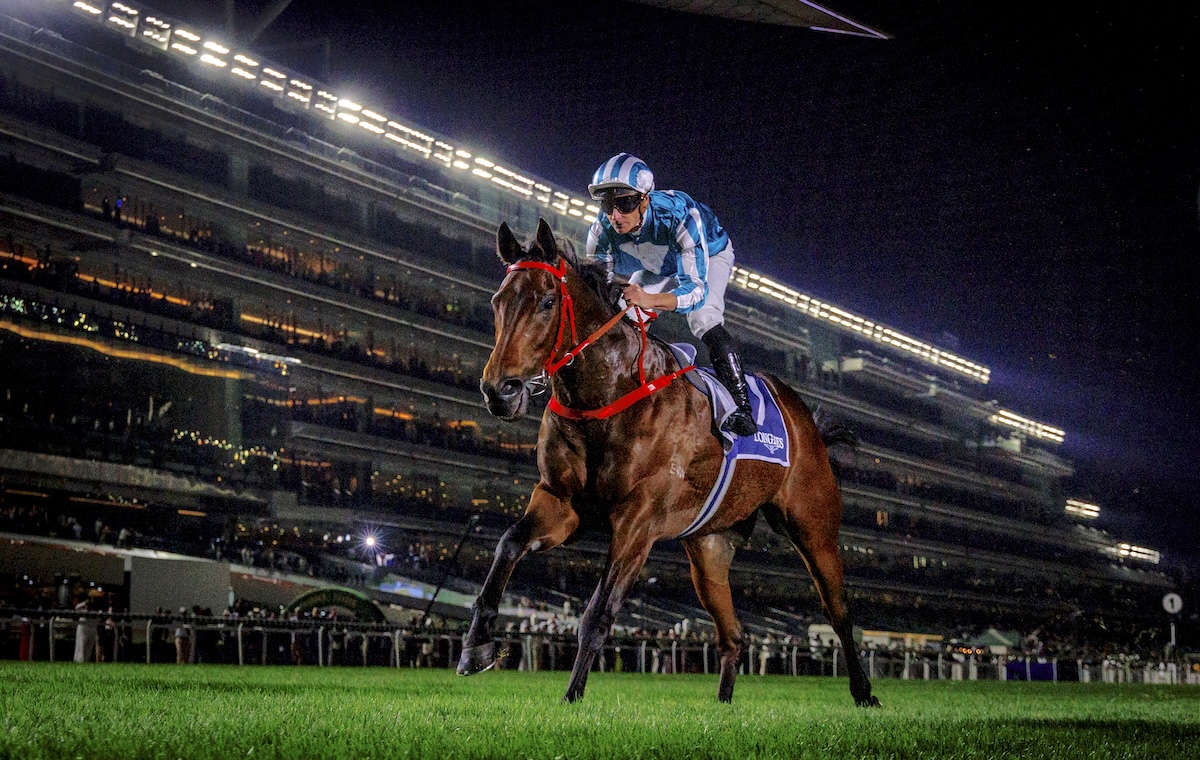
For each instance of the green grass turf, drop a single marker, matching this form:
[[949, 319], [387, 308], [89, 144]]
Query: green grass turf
[[168, 711]]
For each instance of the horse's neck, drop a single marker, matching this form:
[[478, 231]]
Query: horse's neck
[[608, 369]]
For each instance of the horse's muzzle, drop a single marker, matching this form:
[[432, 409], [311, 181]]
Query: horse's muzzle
[[508, 399]]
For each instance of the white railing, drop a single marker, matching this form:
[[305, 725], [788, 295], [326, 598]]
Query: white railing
[[329, 642]]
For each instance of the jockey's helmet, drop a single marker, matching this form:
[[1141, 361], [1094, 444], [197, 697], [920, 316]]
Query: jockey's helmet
[[622, 174]]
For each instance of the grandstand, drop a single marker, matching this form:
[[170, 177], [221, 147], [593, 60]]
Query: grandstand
[[241, 313]]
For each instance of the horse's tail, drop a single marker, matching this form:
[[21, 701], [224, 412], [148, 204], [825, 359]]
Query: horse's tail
[[833, 433]]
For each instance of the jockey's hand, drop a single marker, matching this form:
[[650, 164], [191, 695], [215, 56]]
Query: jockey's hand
[[635, 296]]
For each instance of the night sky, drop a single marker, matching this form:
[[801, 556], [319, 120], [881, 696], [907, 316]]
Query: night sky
[[1009, 180]]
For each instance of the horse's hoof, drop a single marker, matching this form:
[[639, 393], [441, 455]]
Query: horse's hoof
[[871, 701], [477, 659]]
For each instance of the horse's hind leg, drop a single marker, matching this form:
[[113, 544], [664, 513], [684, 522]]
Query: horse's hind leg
[[547, 522], [711, 557], [817, 541]]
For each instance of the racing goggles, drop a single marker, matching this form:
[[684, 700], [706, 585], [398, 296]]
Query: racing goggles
[[626, 204]]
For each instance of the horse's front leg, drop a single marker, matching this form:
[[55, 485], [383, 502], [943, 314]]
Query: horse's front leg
[[548, 521], [626, 556]]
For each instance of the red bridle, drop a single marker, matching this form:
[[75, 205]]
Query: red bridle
[[567, 313]]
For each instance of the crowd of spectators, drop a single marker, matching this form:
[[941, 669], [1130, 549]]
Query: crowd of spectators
[[342, 557], [347, 558], [249, 634]]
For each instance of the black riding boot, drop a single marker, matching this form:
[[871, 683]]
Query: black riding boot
[[728, 366]]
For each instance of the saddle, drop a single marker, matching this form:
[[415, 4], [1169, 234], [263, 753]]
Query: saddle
[[770, 443]]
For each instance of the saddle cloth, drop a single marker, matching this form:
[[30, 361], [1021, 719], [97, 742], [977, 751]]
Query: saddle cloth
[[769, 444]]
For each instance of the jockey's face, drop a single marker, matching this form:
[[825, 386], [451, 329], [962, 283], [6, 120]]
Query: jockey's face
[[628, 222]]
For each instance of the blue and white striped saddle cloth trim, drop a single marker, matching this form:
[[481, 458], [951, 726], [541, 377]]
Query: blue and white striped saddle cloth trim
[[770, 444]]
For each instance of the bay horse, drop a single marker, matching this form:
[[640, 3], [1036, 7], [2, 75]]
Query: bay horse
[[646, 470]]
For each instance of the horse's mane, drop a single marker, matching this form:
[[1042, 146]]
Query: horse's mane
[[595, 276], [593, 273], [546, 247]]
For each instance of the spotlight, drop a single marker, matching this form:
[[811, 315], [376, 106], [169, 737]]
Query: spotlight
[[370, 542]]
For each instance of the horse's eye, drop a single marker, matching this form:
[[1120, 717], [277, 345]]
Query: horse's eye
[[546, 304]]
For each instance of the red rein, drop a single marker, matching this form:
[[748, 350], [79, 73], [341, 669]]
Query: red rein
[[568, 314]]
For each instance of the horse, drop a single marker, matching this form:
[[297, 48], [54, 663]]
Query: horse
[[645, 470]]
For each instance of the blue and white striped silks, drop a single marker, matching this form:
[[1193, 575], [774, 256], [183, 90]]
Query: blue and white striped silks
[[676, 239]]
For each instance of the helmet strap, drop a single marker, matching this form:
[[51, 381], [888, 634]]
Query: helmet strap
[[641, 214]]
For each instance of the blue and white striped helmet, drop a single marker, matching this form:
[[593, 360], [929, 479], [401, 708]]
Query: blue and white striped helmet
[[621, 172]]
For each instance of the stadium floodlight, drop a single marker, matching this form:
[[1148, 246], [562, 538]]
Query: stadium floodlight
[[216, 48], [183, 48], [349, 105], [408, 143], [1028, 426], [89, 8], [240, 58], [189, 36], [213, 60], [1082, 509], [868, 329], [1139, 553], [123, 22]]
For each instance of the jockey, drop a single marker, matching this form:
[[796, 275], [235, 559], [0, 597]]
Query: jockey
[[667, 233]]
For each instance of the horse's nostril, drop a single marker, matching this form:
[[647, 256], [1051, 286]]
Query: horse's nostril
[[511, 387]]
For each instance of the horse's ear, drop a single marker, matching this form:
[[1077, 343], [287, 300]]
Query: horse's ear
[[567, 251], [545, 241], [507, 246]]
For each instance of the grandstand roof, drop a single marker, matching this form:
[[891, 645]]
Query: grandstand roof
[[782, 12]]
